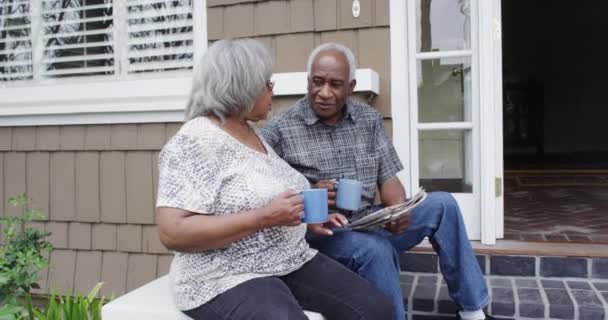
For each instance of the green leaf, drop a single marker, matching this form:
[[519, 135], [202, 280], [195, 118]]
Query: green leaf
[[93, 294], [39, 315], [9, 311], [28, 305], [13, 202]]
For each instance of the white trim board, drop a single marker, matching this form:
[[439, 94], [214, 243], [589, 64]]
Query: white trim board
[[127, 101]]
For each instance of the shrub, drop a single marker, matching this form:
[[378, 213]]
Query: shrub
[[75, 307], [22, 255]]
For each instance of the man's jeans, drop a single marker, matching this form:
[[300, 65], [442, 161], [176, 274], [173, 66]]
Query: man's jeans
[[374, 255]]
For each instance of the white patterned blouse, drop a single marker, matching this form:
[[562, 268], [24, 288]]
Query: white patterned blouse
[[204, 170]]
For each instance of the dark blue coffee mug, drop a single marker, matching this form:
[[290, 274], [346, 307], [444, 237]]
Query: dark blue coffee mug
[[315, 205], [348, 195]]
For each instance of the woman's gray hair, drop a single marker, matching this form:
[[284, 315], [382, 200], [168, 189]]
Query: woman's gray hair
[[350, 57], [230, 77]]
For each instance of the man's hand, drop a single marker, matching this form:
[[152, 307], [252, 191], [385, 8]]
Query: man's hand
[[322, 229], [330, 185], [398, 226]]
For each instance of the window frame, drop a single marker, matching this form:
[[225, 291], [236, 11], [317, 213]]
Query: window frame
[[156, 97]]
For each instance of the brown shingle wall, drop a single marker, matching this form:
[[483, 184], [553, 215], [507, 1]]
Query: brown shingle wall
[[96, 184], [292, 28], [229, 19]]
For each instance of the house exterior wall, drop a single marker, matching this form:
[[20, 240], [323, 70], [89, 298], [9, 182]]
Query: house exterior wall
[[97, 183]]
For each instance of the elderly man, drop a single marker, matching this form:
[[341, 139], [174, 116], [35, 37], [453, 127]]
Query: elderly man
[[328, 136]]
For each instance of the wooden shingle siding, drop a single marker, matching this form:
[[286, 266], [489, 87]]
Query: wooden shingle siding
[[292, 51], [97, 137], [292, 28], [123, 137], [14, 178], [63, 186], [374, 52], [79, 235], [113, 273], [213, 3], [6, 135], [233, 19], [87, 187], [301, 16], [97, 184], [38, 180], [129, 238], [164, 264], [62, 266], [141, 270], [382, 13], [238, 21], [88, 270], [47, 138], [139, 187], [59, 234], [151, 241], [72, 137], [148, 136], [151, 136], [346, 19], [104, 236], [271, 17], [326, 15], [24, 138], [113, 189]]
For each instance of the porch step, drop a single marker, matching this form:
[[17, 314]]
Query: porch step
[[525, 280]]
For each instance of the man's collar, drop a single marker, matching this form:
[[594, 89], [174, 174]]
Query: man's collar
[[311, 118]]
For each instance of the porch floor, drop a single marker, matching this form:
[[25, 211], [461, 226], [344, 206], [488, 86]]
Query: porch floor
[[526, 280], [563, 206]]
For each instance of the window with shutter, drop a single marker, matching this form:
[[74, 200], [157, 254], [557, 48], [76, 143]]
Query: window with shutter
[[160, 36], [98, 61], [15, 40], [73, 38], [76, 39]]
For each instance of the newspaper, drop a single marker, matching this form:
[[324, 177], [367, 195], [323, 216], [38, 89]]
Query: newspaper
[[385, 215]]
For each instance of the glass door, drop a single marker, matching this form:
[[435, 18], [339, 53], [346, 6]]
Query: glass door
[[442, 113]]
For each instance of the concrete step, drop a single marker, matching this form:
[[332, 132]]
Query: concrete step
[[523, 284]]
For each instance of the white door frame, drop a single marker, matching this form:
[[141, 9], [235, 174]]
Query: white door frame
[[487, 204]]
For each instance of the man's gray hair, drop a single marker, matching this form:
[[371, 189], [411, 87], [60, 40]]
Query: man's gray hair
[[230, 77], [330, 46]]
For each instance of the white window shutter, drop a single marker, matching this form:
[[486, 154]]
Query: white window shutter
[[15, 40], [77, 38], [160, 36]]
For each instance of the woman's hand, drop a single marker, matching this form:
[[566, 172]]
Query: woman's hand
[[322, 229], [286, 209]]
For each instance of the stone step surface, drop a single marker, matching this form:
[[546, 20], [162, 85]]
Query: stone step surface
[[521, 287]]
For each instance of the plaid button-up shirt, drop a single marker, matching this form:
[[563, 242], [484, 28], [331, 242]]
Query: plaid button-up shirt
[[355, 148]]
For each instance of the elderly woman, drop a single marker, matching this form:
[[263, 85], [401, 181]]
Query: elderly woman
[[231, 209]]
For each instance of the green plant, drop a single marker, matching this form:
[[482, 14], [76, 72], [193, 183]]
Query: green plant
[[75, 307], [22, 256]]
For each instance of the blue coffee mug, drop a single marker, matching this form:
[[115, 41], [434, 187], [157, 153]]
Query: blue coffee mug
[[349, 192], [315, 205]]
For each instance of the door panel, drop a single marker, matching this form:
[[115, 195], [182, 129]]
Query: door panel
[[443, 63], [443, 25]]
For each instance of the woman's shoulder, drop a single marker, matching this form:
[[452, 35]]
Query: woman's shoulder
[[195, 136]]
